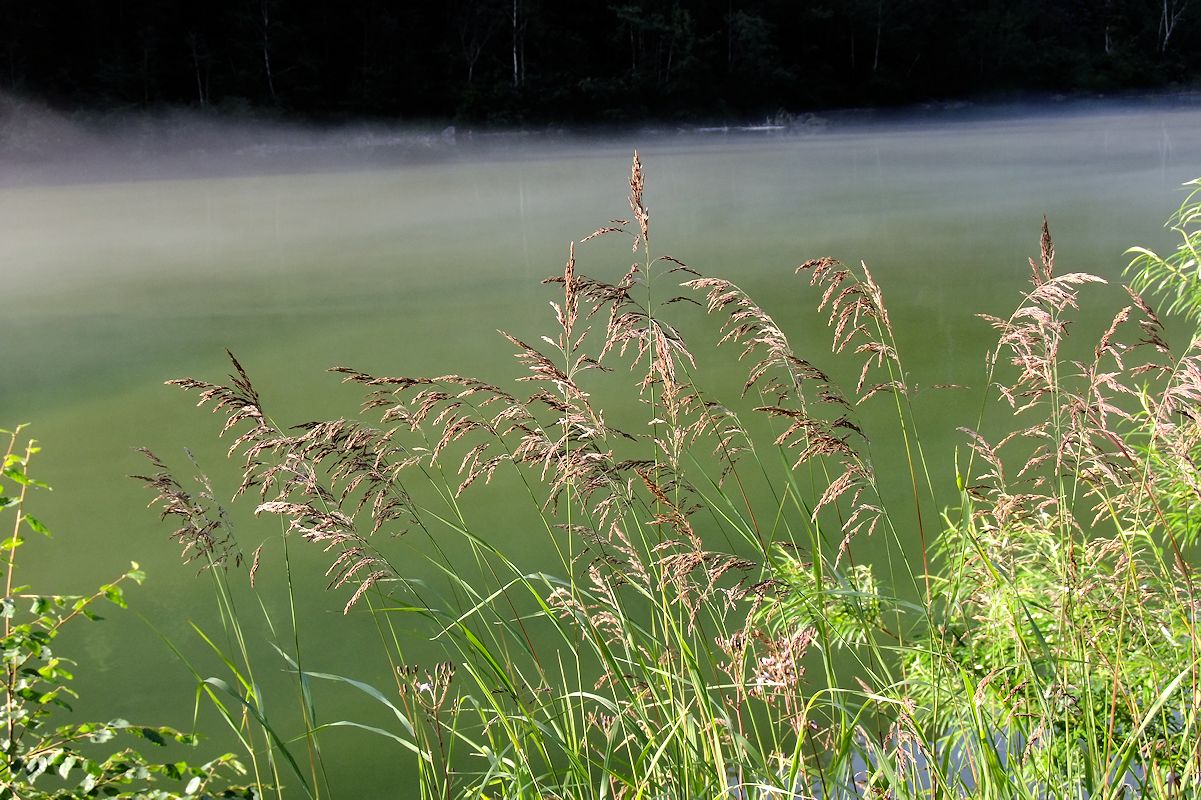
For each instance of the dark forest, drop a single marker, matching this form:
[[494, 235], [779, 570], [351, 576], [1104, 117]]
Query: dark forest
[[536, 61]]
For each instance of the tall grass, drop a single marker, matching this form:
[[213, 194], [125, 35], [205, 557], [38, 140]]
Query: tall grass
[[704, 627]]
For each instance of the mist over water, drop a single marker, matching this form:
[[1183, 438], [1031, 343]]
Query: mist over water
[[134, 250], [41, 145]]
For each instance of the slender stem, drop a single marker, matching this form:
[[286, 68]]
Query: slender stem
[[10, 568]]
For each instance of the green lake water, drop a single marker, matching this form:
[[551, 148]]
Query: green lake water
[[410, 266]]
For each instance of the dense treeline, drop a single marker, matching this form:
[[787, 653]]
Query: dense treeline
[[535, 60]]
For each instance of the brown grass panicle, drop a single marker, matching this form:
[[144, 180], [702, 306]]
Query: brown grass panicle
[[319, 480], [1081, 412], [204, 532], [797, 389]]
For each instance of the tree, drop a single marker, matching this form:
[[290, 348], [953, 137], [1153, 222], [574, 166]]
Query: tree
[[1171, 13], [264, 19], [475, 23], [519, 26], [200, 66]]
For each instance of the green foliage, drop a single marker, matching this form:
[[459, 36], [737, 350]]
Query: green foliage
[[1177, 276], [847, 602], [1062, 627], [41, 756]]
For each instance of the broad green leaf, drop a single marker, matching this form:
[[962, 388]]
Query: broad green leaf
[[152, 735], [101, 735], [35, 524], [115, 595], [20, 477], [34, 770]]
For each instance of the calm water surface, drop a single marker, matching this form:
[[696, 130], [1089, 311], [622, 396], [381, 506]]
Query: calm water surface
[[111, 288]]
